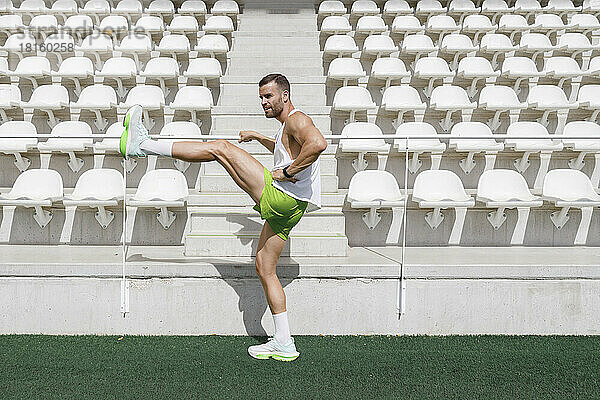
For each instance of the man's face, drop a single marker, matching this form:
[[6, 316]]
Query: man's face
[[272, 99]]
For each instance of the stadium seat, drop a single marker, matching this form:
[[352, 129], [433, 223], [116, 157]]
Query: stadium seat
[[375, 190], [476, 69], [213, 45], [95, 188], [439, 189], [64, 9], [496, 44], [459, 141], [550, 99], [370, 25], [513, 24], [34, 69], [225, 7], [562, 8], [457, 45], [591, 7], [575, 129], [375, 144], [418, 145], [161, 8], [4, 78], [394, 8], [537, 140], [390, 69], [150, 25], [462, 9], [116, 26], [528, 8], [195, 8], [49, 99], [478, 25], [448, 99], [19, 44], [61, 143], [335, 25], [10, 101], [15, 146], [122, 69], [430, 69], [403, 99], [174, 45], [192, 99], [573, 44], [151, 98], [378, 46], [352, 99], [361, 8], [589, 100], [505, 189], [11, 24], [427, 8], [97, 8], [441, 25], [60, 45], [418, 45], [161, 189], [584, 23], [35, 188], [177, 128], [202, 69], [165, 70], [183, 24], [110, 144], [218, 24], [339, 46], [565, 69], [331, 7], [130, 9], [406, 25], [137, 46], [549, 24], [345, 70], [31, 8], [78, 26], [495, 9], [569, 188], [96, 46], [521, 69], [593, 70], [95, 98], [499, 99], [42, 26]]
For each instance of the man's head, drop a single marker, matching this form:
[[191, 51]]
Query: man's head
[[274, 92]]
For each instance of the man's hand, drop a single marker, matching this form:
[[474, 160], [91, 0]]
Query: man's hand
[[279, 176], [247, 136]]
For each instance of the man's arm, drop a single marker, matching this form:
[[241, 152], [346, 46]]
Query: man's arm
[[247, 136], [312, 144]]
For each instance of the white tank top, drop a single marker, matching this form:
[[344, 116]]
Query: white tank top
[[308, 186]]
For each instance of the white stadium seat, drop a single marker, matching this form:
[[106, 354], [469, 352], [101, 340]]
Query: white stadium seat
[[495, 9], [390, 69], [43, 25], [476, 69], [59, 45], [550, 99], [513, 24], [177, 128], [34, 69], [352, 99], [394, 8], [130, 9], [331, 7], [11, 24], [591, 7], [574, 129], [159, 188], [225, 7], [549, 24], [35, 188], [335, 24], [183, 24], [95, 188], [439, 189], [192, 99], [150, 97], [562, 7], [378, 46], [10, 101], [478, 25], [64, 8], [521, 69], [19, 44], [218, 24], [370, 25], [457, 45], [573, 44], [375, 144], [499, 99], [345, 70], [528, 8], [537, 140], [150, 25], [589, 100], [4, 71], [483, 142], [161, 8], [462, 9], [203, 69], [430, 69], [174, 45], [449, 99], [496, 44], [137, 46], [78, 26], [403, 99], [569, 188], [374, 190], [116, 26], [95, 98], [195, 8], [417, 144], [584, 23], [97, 46], [565, 69], [362, 8], [49, 99], [110, 144], [406, 25], [505, 189], [165, 70], [61, 143], [122, 69], [213, 45], [339, 46], [426, 8], [16, 146], [418, 45], [441, 25], [31, 8]]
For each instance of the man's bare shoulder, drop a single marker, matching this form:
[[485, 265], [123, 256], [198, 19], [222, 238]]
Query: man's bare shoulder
[[299, 121]]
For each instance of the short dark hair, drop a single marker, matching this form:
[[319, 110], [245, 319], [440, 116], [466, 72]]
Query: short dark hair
[[279, 79]]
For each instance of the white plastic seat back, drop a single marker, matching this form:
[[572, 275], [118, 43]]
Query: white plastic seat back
[[362, 129], [76, 66], [389, 68], [161, 66], [439, 185], [432, 66], [135, 43], [218, 24], [216, 44], [337, 44], [407, 23], [345, 68], [204, 67], [98, 6], [574, 40], [335, 23], [562, 66], [528, 129], [225, 7], [70, 128], [150, 24], [591, 94], [371, 24], [364, 7], [175, 42], [193, 97], [161, 7], [370, 185], [396, 97], [548, 21], [519, 66], [585, 21], [10, 95], [414, 130], [476, 66], [428, 6], [118, 67], [17, 128], [116, 23], [352, 98], [79, 22], [581, 129], [457, 41], [96, 43], [503, 185], [43, 22], [450, 97], [147, 96], [129, 7], [379, 43], [36, 184], [535, 41], [194, 7], [417, 42], [442, 22], [568, 185], [181, 128], [20, 42], [495, 41], [97, 96], [396, 7], [99, 184], [184, 23], [332, 7], [162, 185], [31, 66], [478, 22], [49, 95], [547, 96], [498, 96]]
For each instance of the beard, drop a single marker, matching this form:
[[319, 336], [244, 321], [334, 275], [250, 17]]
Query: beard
[[274, 111]]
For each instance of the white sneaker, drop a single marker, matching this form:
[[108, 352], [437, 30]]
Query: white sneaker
[[274, 349], [134, 133]]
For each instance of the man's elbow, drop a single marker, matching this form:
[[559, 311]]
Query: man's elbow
[[321, 145]]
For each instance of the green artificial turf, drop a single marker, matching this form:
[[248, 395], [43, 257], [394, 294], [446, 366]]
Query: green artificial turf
[[361, 367]]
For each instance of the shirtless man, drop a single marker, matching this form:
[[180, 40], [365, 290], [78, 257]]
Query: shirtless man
[[281, 195]]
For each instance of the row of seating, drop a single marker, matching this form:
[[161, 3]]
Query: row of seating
[[497, 189], [460, 8]]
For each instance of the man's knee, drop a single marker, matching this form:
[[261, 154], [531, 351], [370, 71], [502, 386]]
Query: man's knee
[[264, 269], [221, 148]]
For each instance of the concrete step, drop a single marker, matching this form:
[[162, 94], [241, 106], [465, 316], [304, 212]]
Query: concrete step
[[328, 165], [267, 45], [222, 183], [249, 67], [276, 34], [247, 93], [294, 80], [243, 200], [231, 124], [245, 220], [236, 245]]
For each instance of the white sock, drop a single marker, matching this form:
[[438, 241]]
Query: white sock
[[157, 147], [282, 328]]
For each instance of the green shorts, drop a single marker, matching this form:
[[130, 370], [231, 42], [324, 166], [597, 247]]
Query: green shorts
[[279, 209]]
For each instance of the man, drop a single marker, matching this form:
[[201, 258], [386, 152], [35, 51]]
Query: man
[[281, 195]]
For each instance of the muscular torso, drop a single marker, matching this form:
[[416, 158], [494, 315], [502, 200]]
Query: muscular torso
[[290, 144]]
